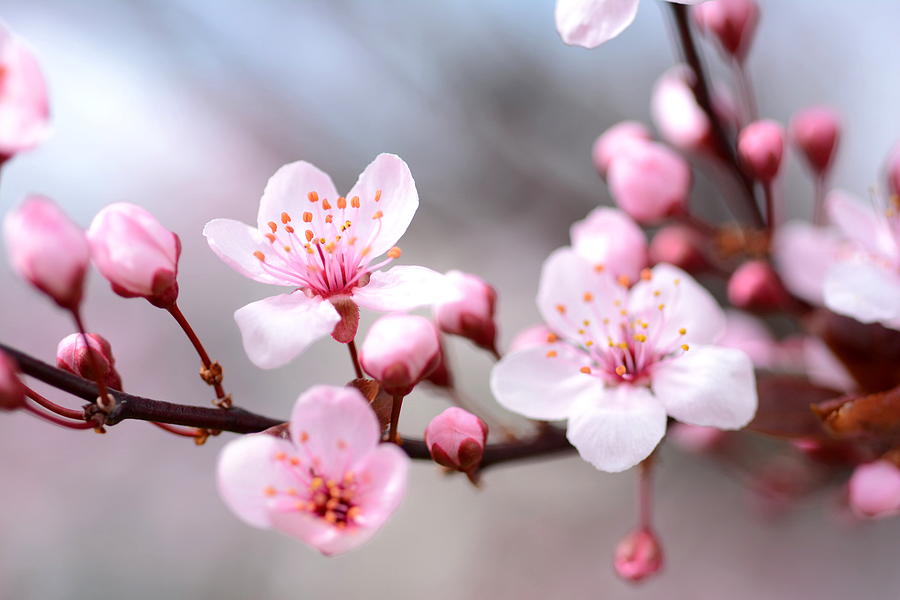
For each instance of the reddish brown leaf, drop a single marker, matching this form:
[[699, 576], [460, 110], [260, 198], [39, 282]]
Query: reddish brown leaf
[[873, 416]]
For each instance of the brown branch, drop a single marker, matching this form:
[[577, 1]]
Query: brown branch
[[704, 99], [237, 420]]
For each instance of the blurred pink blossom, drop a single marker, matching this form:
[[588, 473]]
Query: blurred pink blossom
[[681, 246], [875, 490], [649, 182], [815, 131], [612, 142], [331, 485], [608, 238], [755, 286], [761, 148], [400, 350], [732, 22], [803, 253], [24, 112], [678, 117]]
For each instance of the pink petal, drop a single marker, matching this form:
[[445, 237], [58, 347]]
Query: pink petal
[[539, 385], [335, 428], [679, 118], [823, 367], [234, 242], [404, 288], [875, 489], [860, 223], [398, 202], [618, 428], [750, 335], [709, 386], [24, 111], [687, 305], [864, 290], [315, 531], [565, 279], [275, 330], [589, 23], [288, 191], [609, 237], [383, 477], [246, 468], [803, 254]]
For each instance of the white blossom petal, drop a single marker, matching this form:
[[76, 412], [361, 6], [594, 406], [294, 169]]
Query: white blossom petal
[[403, 288], [589, 23], [864, 290]]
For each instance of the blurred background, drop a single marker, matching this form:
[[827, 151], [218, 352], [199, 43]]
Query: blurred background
[[188, 107]]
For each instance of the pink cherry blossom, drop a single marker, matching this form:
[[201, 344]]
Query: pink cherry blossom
[[609, 238], [815, 131], [136, 254], [331, 485], [471, 315], [24, 112], [733, 22], [12, 391], [455, 438], [73, 354], [875, 490], [681, 246], [614, 141], [589, 23], [649, 182], [678, 117], [47, 249], [864, 281], [324, 246], [400, 350], [627, 360], [803, 253], [750, 335]]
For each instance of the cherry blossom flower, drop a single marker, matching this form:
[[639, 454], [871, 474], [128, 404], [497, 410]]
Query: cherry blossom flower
[[24, 113], [331, 485], [589, 23], [325, 246], [625, 360], [803, 253], [609, 237]]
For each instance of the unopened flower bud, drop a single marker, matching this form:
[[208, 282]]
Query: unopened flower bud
[[893, 171], [875, 489], [456, 439], [136, 253], [678, 117], [638, 556], [815, 131], [12, 391], [23, 97], [611, 241], [761, 148], [47, 249], [614, 141], [679, 245], [399, 351], [534, 336], [649, 182], [471, 313], [75, 356], [755, 286], [732, 22]]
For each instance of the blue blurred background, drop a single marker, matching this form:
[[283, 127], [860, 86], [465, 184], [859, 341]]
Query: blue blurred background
[[188, 107]]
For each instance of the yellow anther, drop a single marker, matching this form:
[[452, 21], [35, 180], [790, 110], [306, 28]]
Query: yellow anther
[[269, 491], [677, 281], [599, 268], [365, 251], [313, 197], [285, 218], [581, 332], [304, 436], [280, 455], [326, 204], [588, 297], [661, 306], [640, 337], [309, 235], [294, 461], [646, 274], [349, 476], [656, 293], [586, 323], [316, 483], [682, 331], [329, 218], [622, 346], [260, 256], [287, 248], [354, 201], [353, 513], [621, 370], [394, 252], [561, 309], [329, 247], [623, 280], [289, 228], [551, 354], [342, 202], [685, 347], [585, 370], [589, 343], [270, 237], [377, 195], [307, 217], [330, 517], [623, 312], [551, 337], [322, 240], [377, 215], [273, 226]]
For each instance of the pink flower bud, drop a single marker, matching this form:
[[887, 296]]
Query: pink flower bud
[[399, 351], [74, 355], [608, 238], [614, 141], [815, 132], [675, 111], [875, 489], [534, 336], [761, 147], [893, 171], [23, 97], [47, 249], [733, 22], [135, 253], [756, 286], [471, 314], [649, 182], [638, 556], [680, 246], [456, 439], [12, 391]]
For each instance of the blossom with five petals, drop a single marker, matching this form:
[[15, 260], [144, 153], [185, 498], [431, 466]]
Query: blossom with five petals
[[323, 245], [331, 485], [624, 360]]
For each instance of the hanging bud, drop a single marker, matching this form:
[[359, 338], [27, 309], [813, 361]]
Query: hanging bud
[[74, 355], [638, 556], [649, 182], [12, 391], [47, 249], [755, 286], [471, 313], [680, 246], [815, 132], [23, 98], [399, 351], [534, 336], [761, 148], [678, 117], [875, 490], [136, 253], [456, 439], [732, 22], [614, 141]]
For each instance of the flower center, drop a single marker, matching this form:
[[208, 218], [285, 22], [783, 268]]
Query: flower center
[[320, 251]]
